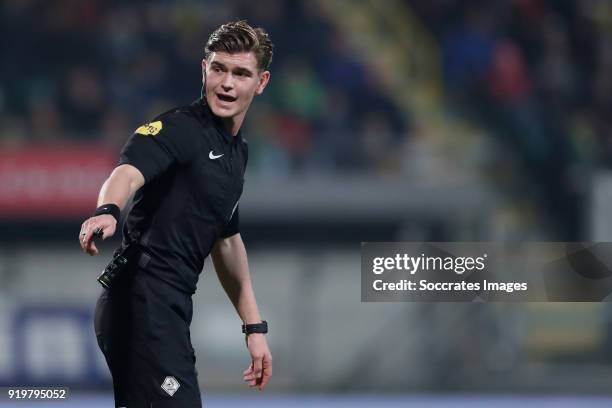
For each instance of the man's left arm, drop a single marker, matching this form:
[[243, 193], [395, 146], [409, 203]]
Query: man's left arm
[[230, 259]]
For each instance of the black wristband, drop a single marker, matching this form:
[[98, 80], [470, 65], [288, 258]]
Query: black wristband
[[255, 328], [111, 209]]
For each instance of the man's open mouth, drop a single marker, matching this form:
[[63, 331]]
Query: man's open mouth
[[226, 98]]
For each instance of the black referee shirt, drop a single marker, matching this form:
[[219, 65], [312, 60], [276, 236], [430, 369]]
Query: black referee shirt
[[194, 174]]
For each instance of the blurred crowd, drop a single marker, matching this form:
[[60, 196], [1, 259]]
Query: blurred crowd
[[93, 70], [533, 72], [536, 72]]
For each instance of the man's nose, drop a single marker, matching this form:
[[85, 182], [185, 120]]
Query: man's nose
[[227, 83]]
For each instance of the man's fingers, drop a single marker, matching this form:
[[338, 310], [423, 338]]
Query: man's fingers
[[91, 247], [257, 366], [83, 235], [253, 373], [249, 376], [264, 380], [99, 233], [88, 240], [93, 250], [101, 226], [258, 374], [267, 372]]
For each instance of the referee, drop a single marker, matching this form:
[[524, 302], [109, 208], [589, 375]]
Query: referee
[[186, 171]]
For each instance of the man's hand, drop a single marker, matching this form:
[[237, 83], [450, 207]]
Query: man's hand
[[106, 222], [259, 372], [117, 189]]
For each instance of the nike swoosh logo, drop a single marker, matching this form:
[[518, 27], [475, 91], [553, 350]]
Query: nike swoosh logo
[[211, 156]]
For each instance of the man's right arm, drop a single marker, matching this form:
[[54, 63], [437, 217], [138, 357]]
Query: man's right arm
[[149, 152], [123, 182]]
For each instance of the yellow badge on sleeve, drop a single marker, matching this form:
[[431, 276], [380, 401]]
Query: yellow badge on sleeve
[[150, 129]]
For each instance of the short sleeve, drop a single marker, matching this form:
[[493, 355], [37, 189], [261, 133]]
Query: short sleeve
[[233, 226], [157, 145]]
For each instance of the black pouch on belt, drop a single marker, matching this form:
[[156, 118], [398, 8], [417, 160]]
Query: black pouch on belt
[[122, 259]]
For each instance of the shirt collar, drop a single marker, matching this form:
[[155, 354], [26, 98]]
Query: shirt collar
[[218, 124]]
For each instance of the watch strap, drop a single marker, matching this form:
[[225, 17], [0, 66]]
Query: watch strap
[[255, 328]]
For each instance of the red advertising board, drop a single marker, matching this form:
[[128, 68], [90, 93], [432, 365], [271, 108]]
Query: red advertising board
[[52, 182]]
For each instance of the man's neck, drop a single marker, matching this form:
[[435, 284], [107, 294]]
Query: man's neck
[[233, 124]]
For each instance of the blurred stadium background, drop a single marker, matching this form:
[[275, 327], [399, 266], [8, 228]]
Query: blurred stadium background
[[439, 120]]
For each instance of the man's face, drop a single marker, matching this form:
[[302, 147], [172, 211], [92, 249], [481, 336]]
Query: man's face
[[231, 81]]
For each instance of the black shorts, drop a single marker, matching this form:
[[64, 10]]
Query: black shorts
[[142, 327]]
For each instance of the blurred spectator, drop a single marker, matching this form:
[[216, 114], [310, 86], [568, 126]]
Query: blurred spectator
[[82, 96], [115, 125], [467, 52], [377, 143], [297, 90], [46, 123], [335, 145], [267, 157], [14, 131]]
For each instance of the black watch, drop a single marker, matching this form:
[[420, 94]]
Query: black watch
[[255, 328]]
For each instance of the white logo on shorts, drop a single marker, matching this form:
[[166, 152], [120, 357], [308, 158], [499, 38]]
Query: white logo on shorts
[[170, 385]]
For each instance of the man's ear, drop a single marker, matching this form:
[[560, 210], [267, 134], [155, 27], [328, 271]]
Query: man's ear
[[263, 82], [204, 66]]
